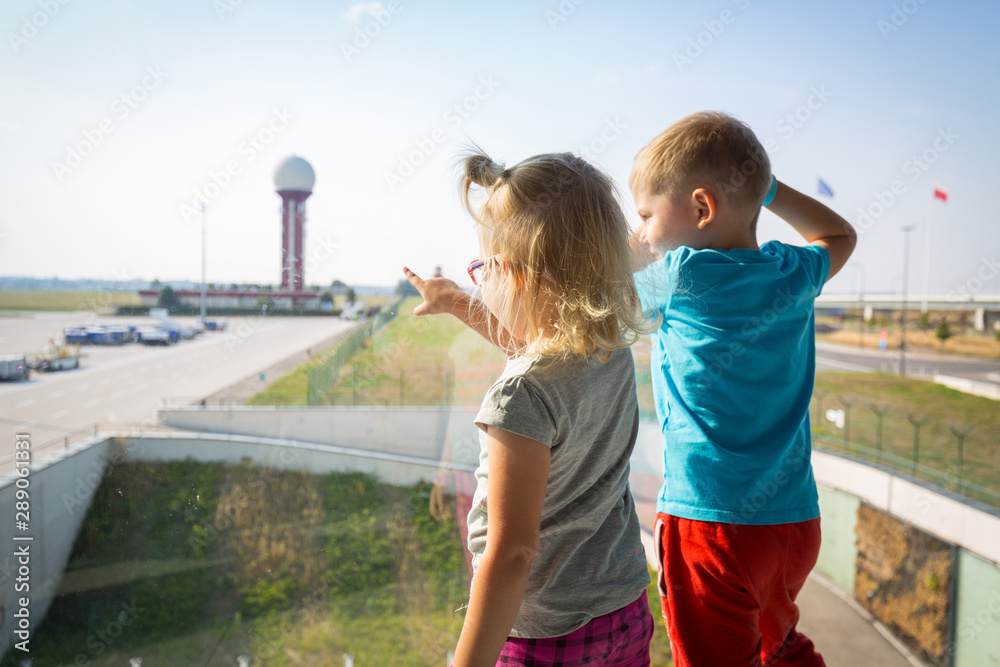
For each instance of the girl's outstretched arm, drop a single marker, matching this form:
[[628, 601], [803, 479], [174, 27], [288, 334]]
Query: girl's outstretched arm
[[441, 295], [519, 473]]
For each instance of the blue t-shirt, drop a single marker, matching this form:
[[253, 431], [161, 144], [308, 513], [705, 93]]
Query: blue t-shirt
[[733, 365]]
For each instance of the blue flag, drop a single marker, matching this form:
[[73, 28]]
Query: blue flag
[[824, 189]]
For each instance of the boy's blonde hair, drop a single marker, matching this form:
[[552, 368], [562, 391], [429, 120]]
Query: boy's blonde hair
[[557, 222], [707, 149]]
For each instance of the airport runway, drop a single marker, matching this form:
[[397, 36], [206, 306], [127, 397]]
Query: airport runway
[[119, 388]]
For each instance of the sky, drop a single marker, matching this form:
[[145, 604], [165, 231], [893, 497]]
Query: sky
[[118, 118]]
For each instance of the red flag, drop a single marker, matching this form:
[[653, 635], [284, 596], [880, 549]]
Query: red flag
[[940, 193]]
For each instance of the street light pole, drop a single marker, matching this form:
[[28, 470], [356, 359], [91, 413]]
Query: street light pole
[[861, 304], [902, 310], [204, 226]]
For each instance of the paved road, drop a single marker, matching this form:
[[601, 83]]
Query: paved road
[[832, 357], [120, 387]]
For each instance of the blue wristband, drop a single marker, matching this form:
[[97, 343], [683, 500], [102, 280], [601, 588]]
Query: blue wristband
[[769, 197]]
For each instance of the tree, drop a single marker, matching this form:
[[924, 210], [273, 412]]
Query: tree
[[168, 298], [404, 288], [925, 321], [351, 296], [326, 298], [263, 301], [155, 284], [943, 332]]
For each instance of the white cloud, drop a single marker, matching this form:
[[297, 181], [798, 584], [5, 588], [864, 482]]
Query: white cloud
[[9, 125], [359, 9]]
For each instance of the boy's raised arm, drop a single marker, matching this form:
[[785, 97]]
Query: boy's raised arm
[[816, 223]]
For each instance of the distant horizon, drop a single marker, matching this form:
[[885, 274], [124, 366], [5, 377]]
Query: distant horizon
[[172, 281], [985, 297]]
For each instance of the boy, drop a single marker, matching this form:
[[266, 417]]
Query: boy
[[737, 528]]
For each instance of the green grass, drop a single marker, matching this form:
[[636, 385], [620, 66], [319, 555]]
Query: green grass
[[278, 564], [431, 360], [65, 301]]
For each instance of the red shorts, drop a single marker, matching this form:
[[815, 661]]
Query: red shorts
[[728, 591]]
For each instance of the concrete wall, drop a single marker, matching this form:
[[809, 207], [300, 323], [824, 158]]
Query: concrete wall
[[950, 519], [844, 483], [977, 628], [448, 434], [60, 491], [430, 433], [839, 551]]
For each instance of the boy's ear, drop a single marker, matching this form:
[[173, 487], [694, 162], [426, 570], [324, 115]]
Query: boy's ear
[[704, 205]]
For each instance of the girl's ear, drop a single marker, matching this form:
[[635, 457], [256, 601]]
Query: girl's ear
[[704, 206]]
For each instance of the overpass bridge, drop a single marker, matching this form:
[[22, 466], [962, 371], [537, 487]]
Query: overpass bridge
[[984, 309]]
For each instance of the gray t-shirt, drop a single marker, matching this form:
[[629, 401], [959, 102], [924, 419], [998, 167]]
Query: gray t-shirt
[[590, 560]]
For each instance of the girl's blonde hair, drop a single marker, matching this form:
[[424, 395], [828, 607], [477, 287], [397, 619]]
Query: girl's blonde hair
[[557, 222]]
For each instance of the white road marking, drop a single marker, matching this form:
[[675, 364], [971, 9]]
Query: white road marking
[[24, 404], [92, 402], [56, 394], [842, 364], [61, 413]]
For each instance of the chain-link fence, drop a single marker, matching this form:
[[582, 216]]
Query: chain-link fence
[[325, 374], [960, 456]]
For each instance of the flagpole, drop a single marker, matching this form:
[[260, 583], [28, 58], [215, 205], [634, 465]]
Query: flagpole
[[927, 254]]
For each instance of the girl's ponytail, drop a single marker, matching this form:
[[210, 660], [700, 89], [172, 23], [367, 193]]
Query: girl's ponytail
[[482, 170]]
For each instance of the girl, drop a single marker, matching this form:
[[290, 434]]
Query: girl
[[560, 573]]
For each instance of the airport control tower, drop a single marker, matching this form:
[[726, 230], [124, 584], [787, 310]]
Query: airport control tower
[[293, 180]]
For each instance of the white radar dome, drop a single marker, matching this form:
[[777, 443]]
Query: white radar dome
[[294, 174]]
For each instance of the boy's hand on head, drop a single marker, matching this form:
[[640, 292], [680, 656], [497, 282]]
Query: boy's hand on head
[[439, 294], [816, 223]]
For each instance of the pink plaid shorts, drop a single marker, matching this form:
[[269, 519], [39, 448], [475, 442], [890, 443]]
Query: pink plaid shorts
[[618, 639]]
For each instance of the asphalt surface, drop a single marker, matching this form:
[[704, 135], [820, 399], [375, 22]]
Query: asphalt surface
[[833, 357], [120, 388]]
